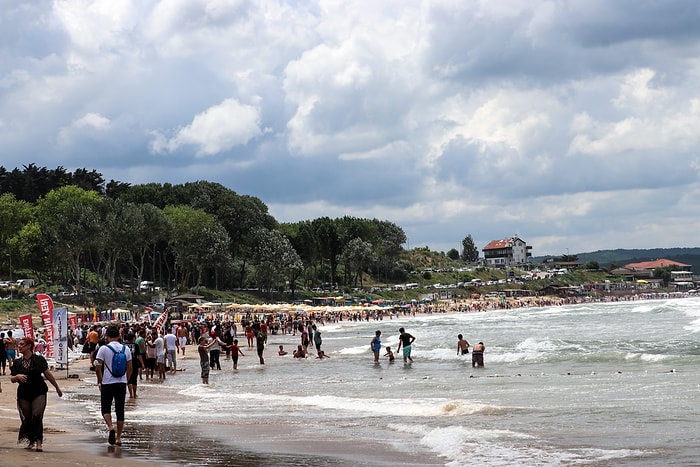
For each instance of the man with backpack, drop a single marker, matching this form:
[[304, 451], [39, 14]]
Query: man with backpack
[[113, 368]]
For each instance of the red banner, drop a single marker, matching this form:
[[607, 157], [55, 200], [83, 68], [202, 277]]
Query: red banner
[[73, 321], [25, 322], [160, 322], [46, 308]]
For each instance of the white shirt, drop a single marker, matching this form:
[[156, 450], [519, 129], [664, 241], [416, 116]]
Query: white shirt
[[105, 355], [171, 342], [160, 346]]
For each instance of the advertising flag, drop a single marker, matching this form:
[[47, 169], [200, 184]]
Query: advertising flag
[[73, 321], [25, 322], [160, 322], [46, 309], [60, 335]]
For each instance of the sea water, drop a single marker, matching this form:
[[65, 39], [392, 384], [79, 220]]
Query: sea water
[[589, 384]]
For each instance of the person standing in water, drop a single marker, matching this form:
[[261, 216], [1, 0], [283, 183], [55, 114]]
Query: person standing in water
[[462, 345], [478, 355], [406, 340], [376, 345]]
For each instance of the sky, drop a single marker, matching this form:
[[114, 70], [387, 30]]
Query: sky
[[574, 125]]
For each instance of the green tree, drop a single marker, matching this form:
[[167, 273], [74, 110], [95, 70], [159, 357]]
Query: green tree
[[470, 253], [275, 260], [196, 238], [453, 254], [357, 257], [68, 219]]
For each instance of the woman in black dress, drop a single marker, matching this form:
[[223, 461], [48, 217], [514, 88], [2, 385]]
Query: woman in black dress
[[3, 353], [27, 370]]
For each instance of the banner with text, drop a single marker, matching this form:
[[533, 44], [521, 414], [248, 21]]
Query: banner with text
[[60, 335], [160, 322], [46, 309], [25, 322]]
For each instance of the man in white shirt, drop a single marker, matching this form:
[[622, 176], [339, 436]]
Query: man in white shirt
[[112, 388], [160, 355], [171, 345]]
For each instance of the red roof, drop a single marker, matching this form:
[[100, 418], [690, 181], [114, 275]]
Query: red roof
[[500, 244], [658, 263]]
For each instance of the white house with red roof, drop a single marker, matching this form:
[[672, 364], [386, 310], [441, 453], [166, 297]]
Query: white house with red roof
[[508, 252]]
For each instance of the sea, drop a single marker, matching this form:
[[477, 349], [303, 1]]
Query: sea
[[594, 384]]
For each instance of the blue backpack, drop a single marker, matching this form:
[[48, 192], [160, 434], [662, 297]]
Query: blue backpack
[[118, 366]]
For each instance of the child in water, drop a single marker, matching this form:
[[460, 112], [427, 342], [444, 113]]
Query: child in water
[[389, 354]]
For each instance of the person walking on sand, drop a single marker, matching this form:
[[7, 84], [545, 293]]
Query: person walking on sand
[[462, 345], [376, 345], [27, 370], [112, 388], [181, 334], [3, 353], [406, 340], [478, 355], [10, 348]]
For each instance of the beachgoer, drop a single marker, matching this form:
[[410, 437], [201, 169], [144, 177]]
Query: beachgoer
[[406, 340], [3, 353], [304, 338], [93, 339], [260, 339], [203, 350], [282, 352], [150, 357], [171, 348], [136, 364], [321, 355], [159, 344], [299, 352], [27, 371], [478, 355], [249, 335], [215, 351], [235, 352], [141, 343], [182, 338], [389, 354], [317, 339], [10, 348], [112, 388], [376, 345], [462, 345]]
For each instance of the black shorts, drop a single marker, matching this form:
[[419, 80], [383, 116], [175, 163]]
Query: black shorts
[[113, 392]]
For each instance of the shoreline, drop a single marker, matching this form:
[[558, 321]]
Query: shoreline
[[76, 437]]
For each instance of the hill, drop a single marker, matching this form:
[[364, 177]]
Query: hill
[[620, 256]]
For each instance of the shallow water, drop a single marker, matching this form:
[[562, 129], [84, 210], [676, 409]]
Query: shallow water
[[593, 384]]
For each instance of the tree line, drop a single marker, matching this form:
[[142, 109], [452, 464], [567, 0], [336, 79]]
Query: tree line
[[74, 228]]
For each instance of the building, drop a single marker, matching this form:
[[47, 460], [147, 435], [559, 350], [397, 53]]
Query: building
[[506, 253]]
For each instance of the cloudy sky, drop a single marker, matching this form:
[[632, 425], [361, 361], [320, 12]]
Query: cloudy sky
[[573, 124]]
